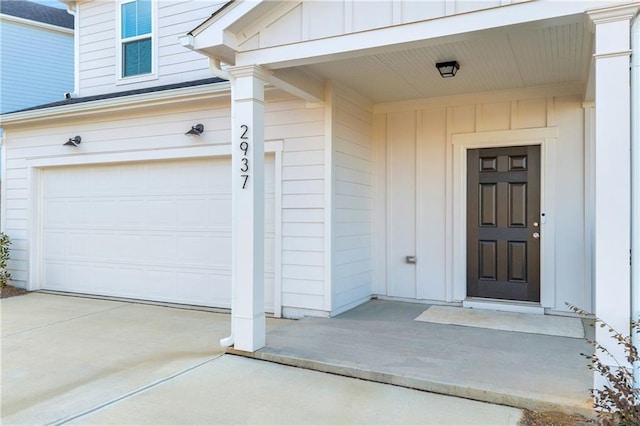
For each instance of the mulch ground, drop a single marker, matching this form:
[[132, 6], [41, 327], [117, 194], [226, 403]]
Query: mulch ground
[[551, 418], [10, 291]]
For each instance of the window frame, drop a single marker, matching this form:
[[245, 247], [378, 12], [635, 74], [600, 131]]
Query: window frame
[[120, 42]]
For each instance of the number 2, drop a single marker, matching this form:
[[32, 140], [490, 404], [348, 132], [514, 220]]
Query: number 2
[[244, 134]]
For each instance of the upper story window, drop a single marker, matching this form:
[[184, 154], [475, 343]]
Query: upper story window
[[136, 38]]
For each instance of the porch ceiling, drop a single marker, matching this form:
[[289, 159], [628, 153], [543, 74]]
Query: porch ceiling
[[534, 54]]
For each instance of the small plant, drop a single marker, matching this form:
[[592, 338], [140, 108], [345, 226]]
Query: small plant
[[617, 402], [5, 242]]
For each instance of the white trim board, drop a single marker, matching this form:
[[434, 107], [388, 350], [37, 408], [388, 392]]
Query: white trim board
[[546, 137]]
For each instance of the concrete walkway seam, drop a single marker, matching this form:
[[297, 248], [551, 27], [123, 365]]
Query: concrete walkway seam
[[100, 406], [63, 321]]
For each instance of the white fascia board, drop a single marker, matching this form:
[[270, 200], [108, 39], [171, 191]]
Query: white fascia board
[[35, 24], [215, 34], [186, 94], [390, 38]]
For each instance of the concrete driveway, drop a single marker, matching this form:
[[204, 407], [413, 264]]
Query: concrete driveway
[[88, 361]]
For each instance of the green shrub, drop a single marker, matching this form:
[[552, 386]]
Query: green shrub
[[5, 242], [617, 402]]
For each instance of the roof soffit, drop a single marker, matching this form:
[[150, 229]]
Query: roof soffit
[[222, 36], [415, 34], [394, 51]]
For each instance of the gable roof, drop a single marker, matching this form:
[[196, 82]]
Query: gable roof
[[213, 15], [37, 12]]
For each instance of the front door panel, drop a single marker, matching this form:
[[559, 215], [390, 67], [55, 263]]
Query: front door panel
[[503, 223]]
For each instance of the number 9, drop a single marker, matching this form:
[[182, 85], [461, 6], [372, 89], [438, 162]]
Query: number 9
[[244, 146]]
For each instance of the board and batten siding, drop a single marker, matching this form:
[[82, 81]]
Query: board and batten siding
[[97, 34], [352, 199], [313, 20], [413, 198], [301, 128]]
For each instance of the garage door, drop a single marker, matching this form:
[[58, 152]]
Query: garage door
[[155, 231]]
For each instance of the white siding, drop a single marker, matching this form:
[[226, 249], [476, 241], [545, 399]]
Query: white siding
[[352, 183], [98, 38], [427, 131], [312, 20], [302, 130], [300, 127]]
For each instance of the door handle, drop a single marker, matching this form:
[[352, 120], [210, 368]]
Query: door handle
[[536, 235]]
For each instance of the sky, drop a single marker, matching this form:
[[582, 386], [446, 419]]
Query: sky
[[53, 3]]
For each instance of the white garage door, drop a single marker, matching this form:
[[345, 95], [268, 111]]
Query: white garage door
[[155, 231]]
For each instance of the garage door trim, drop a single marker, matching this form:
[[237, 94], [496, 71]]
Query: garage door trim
[[37, 166]]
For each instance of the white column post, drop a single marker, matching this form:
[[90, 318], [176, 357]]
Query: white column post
[[247, 162], [612, 173]]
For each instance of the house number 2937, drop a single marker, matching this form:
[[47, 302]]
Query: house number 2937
[[244, 147]]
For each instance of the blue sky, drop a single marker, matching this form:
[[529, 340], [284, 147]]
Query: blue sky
[[54, 3]]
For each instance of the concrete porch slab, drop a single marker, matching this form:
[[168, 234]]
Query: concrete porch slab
[[381, 342]]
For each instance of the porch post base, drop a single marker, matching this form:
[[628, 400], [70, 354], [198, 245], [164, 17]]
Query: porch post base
[[249, 333]]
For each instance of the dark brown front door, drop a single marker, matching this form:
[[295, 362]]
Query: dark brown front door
[[503, 223]]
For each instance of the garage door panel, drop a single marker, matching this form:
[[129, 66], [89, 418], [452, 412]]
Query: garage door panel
[[210, 288], [55, 273], [157, 231], [56, 213]]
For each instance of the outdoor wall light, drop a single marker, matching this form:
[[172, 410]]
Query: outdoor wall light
[[196, 130], [75, 141], [448, 69]]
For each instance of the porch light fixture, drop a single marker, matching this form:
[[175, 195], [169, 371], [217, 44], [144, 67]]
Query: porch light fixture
[[448, 69], [75, 141], [196, 130]]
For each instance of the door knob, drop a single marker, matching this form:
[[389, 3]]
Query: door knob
[[536, 235], [536, 224]]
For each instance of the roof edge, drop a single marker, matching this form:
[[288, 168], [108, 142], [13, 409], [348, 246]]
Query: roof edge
[[213, 15], [37, 24], [92, 105]]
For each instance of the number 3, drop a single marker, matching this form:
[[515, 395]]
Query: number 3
[[245, 165]]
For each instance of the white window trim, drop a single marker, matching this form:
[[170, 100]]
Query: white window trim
[[153, 75], [547, 139]]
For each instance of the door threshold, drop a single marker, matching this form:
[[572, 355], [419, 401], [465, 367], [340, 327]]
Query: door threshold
[[504, 305]]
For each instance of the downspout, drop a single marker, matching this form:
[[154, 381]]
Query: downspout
[[216, 69], [635, 188], [76, 48], [188, 41]]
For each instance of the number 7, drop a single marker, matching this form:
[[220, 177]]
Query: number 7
[[246, 177]]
